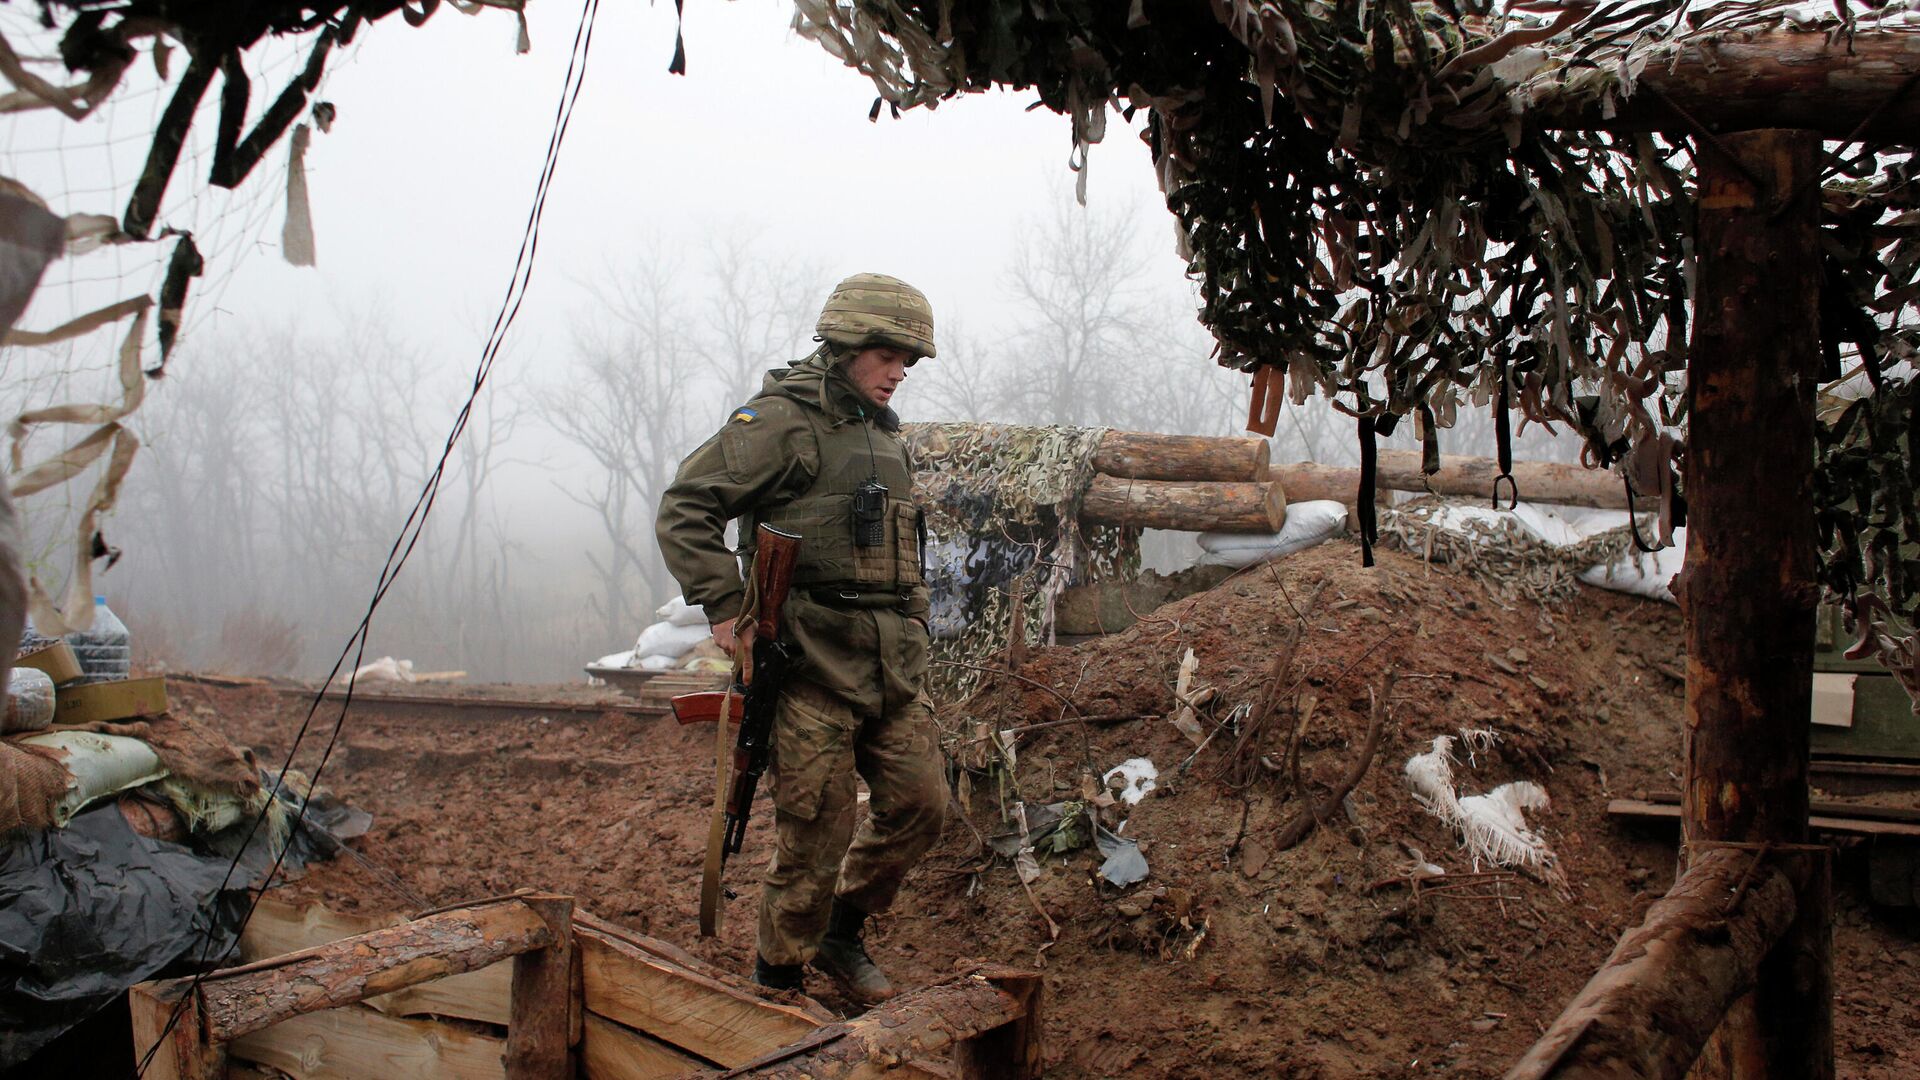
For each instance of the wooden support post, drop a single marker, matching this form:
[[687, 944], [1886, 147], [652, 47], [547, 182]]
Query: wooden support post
[[544, 1026], [1748, 592], [1012, 1050], [185, 1052]]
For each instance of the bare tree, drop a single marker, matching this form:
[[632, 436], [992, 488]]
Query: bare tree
[[758, 313], [627, 408]]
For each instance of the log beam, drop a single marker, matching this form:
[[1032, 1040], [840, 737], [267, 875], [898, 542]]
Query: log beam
[[1663, 991], [1471, 477], [254, 996], [1748, 592], [1208, 506], [1781, 79], [1144, 455], [987, 1002], [544, 1026]]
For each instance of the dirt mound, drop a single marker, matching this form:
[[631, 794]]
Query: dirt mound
[[1237, 953]]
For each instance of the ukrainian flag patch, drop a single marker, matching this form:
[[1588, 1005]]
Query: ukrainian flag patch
[[744, 415]]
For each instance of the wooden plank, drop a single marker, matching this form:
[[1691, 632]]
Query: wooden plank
[[1860, 811], [610, 1051], [700, 1015], [1643, 810], [357, 1043], [279, 927]]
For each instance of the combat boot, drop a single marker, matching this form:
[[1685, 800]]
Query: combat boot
[[778, 976], [843, 958]]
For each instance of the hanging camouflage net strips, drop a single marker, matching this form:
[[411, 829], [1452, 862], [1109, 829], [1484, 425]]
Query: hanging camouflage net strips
[[1003, 509], [1412, 208]]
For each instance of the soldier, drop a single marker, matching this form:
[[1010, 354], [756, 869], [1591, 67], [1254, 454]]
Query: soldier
[[818, 453]]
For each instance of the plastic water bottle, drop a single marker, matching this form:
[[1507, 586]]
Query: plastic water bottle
[[31, 639], [105, 650]]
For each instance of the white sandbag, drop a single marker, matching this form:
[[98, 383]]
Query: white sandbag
[[657, 663], [385, 669], [1308, 524], [29, 701], [101, 765], [666, 639], [615, 660], [1641, 573], [680, 613]]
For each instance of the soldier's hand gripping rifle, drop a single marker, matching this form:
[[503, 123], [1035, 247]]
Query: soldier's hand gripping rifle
[[761, 661]]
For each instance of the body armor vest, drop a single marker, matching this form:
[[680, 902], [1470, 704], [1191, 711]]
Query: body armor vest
[[823, 514]]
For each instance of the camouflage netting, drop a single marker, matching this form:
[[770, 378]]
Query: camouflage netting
[[1003, 505], [1412, 208], [1506, 558]]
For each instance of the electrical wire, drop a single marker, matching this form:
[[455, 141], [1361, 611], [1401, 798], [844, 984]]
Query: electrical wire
[[518, 283]]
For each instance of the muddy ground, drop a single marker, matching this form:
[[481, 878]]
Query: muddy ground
[[1234, 955]]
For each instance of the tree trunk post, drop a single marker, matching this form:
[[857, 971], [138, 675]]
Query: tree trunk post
[[1748, 590], [544, 1012]]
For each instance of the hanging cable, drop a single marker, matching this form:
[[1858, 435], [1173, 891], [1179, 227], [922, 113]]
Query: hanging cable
[[410, 531]]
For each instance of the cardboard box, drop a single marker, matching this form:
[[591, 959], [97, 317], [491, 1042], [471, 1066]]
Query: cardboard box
[[122, 699], [57, 660]]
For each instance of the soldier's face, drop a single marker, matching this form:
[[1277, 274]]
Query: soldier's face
[[878, 372]]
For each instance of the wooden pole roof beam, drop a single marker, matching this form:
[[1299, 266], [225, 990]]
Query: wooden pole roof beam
[[1852, 88]]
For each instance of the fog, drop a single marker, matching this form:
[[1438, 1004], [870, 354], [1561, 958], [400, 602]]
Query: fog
[[694, 227]]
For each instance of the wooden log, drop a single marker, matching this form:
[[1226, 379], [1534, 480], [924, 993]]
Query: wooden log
[[1748, 592], [279, 927], [698, 1014], [545, 1024], [1140, 455], [1468, 477], [1652, 1006], [181, 1052], [1770, 80], [357, 1043], [914, 1026], [1208, 506], [255, 996]]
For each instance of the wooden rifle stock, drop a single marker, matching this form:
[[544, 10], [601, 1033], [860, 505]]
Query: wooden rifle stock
[[773, 562]]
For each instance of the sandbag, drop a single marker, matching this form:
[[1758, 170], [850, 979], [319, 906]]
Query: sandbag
[[680, 613], [101, 765], [666, 639], [29, 701], [1643, 573], [1308, 524]]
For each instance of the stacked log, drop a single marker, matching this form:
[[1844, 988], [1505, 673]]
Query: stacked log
[[1189, 483]]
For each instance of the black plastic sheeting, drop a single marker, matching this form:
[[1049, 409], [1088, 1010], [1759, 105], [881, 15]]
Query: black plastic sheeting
[[89, 910]]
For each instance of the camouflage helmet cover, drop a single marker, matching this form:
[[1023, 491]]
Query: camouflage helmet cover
[[874, 309]]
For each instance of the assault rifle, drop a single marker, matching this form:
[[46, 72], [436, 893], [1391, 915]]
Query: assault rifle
[[761, 663]]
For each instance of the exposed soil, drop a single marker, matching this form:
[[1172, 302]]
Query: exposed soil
[[1232, 957]]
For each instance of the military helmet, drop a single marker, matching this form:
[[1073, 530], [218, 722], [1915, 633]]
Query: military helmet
[[874, 309]]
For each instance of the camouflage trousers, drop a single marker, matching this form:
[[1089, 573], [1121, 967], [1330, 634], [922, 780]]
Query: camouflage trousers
[[819, 746]]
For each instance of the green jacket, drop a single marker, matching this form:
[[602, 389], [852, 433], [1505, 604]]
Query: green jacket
[[765, 464]]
